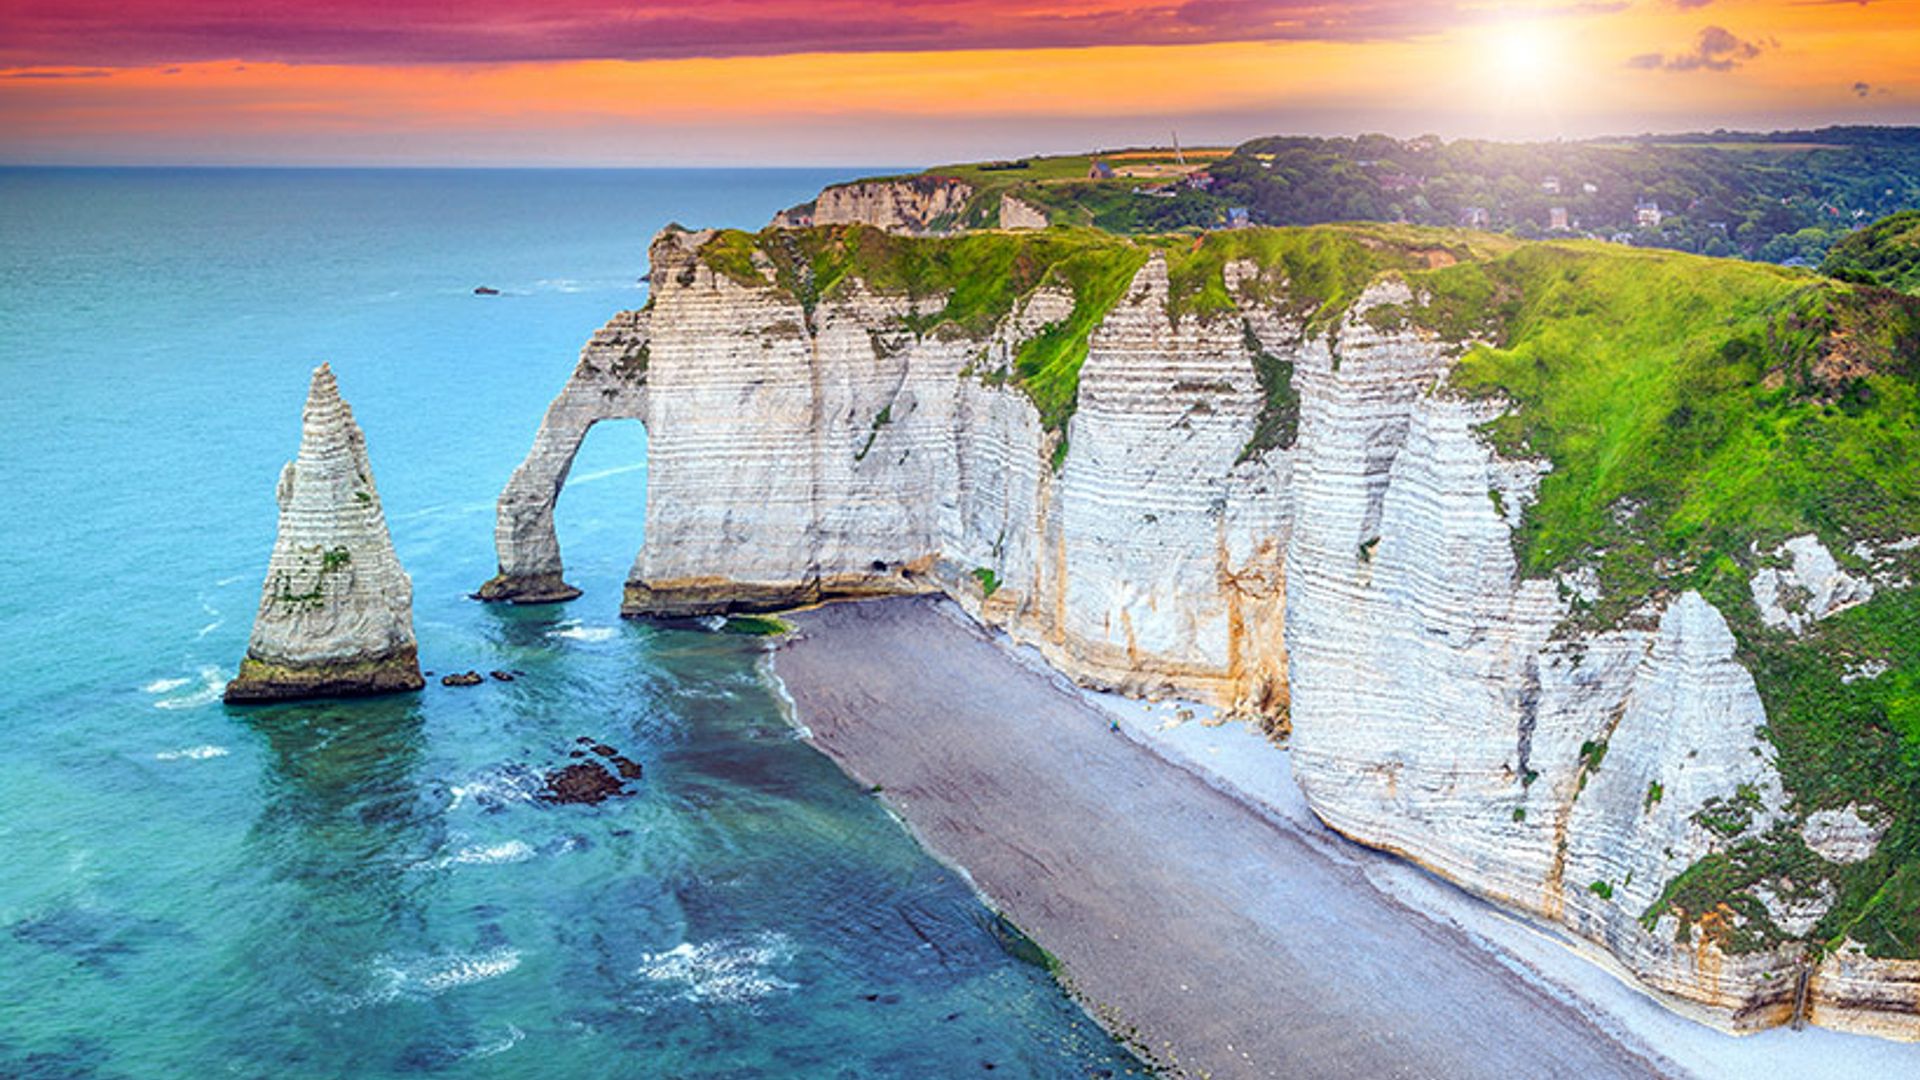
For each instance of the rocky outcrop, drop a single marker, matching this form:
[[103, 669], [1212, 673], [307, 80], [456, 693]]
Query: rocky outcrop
[[1808, 586], [336, 613], [913, 204], [1016, 213], [1288, 514], [608, 383]]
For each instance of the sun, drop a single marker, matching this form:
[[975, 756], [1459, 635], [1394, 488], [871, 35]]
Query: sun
[[1520, 50]]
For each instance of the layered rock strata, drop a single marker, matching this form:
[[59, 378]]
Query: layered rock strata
[[1355, 575], [336, 612], [910, 205]]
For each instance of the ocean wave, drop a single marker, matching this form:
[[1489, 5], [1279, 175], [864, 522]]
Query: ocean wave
[[498, 1046], [576, 632], [425, 975], [511, 784], [602, 474], [512, 851], [722, 972], [574, 285], [161, 686], [192, 753], [213, 682]]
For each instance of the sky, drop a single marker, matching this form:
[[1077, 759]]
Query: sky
[[833, 82]]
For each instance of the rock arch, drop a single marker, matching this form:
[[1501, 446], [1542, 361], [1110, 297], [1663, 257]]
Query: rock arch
[[609, 383]]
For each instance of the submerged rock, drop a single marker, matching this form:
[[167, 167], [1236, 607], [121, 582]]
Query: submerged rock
[[462, 678], [589, 781], [583, 782], [336, 612]]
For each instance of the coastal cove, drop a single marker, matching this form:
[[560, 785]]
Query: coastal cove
[[1146, 855], [1207, 636], [1373, 485], [365, 888]]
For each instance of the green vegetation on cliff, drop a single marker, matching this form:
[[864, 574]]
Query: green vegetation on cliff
[[969, 282], [1697, 413], [1886, 253], [1783, 197]]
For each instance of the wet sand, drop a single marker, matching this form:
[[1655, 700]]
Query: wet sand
[[1220, 941]]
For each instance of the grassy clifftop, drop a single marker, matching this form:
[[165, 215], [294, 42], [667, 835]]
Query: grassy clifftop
[[980, 277], [1886, 253], [1698, 412]]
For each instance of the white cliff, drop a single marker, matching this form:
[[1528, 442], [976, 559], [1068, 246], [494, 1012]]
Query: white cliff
[[1355, 578], [336, 612], [912, 204]]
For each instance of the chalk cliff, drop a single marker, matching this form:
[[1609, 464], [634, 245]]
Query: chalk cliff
[[909, 205], [336, 612], [1278, 470]]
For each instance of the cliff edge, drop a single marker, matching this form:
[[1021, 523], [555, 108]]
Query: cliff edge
[[1582, 576], [336, 612]]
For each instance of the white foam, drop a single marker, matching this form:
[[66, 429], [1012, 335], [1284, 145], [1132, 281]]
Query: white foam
[[161, 686], [723, 972], [210, 628], [576, 632], [499, 787], [213, 681], [512, 851], [498, 1046], [192, 753], [429, 975]]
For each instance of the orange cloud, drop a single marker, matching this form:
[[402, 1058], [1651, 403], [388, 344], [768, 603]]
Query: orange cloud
[[1506, 70]]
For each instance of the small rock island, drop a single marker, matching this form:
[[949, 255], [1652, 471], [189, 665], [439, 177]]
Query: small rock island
[[336, 612]]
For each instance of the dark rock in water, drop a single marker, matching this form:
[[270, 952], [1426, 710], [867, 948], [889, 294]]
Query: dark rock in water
[[470, 678], [586, 782], [501, 676], [486, 290], [589, 781], [96, 940]]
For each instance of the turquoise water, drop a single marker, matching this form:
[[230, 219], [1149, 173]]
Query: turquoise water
[[363, 889]]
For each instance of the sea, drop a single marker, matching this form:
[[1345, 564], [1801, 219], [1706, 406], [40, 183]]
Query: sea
[[368, 888]]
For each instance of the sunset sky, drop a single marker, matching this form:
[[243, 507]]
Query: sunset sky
[[606, 82]]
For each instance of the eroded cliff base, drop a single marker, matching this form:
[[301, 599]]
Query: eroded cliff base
[[261, 681], [531, 589], [691, 597]]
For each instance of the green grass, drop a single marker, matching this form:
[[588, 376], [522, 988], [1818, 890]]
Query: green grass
[[1885, 253], [1699, 411], [989, 581]]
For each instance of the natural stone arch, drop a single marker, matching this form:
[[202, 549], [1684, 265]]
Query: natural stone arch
[[609, 383]]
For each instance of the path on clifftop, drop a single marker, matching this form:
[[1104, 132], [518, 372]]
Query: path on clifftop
[[1231, 944]]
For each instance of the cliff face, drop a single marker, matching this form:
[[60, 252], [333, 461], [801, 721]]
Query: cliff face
[[336, 612], [1268, 484], [911, 205]]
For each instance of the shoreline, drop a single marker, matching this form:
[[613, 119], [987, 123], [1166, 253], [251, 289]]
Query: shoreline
[[913, 697]]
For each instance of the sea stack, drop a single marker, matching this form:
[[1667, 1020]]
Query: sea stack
[[336, 612]]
